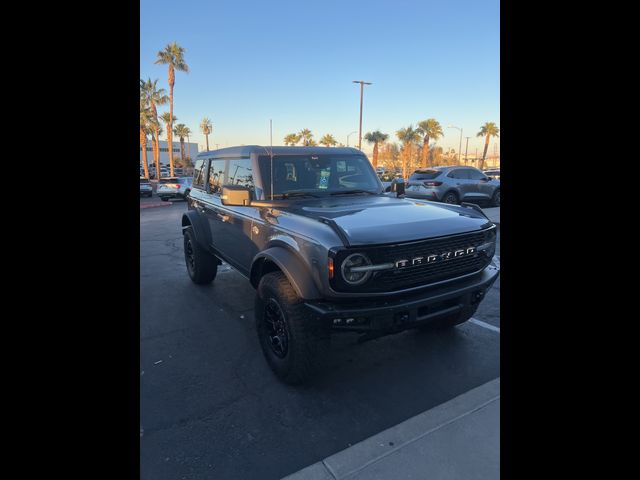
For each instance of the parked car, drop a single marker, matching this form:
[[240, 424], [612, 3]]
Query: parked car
[[495, 173], [386, 179], [178, 171], [329, 252], [145, 187], [174, 187], [454, 184]]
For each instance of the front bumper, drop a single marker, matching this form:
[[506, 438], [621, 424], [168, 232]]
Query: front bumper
[[394, 315]]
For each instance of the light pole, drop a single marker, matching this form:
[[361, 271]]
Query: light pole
[[350, 135], [466, 149], [460, 148], [362, 84]]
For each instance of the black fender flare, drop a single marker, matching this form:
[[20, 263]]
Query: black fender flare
[[291, 265], [200, 228]]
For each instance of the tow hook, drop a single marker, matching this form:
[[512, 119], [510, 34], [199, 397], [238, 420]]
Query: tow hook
[[477, 297]]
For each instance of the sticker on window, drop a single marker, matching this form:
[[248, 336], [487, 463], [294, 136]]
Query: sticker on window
[[324, 178]]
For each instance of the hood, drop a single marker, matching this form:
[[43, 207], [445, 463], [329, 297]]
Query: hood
[[384, 219]]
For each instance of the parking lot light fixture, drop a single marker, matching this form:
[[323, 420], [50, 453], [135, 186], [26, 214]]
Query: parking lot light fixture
[[460, 147], [355, 131], [362, 84]]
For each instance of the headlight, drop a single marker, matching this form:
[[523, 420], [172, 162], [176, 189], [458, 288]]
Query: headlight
[[350, 269]]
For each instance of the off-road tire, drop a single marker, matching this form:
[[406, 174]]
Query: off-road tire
[[451, 321], [308, 340], [204, 267]]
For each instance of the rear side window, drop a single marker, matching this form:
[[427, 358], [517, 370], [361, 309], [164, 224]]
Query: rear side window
[[425, 175], [199, 173], [216, 175]]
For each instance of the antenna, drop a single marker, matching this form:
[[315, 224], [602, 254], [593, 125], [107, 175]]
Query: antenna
[[271, 153]]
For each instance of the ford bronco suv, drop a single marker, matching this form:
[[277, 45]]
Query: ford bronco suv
[[329, 251]]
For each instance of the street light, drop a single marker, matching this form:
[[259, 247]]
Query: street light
[[466, 149], [350, 135], [362, 84], [460, 148]]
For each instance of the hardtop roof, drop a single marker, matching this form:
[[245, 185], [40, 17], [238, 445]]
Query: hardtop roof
[[247, 150]]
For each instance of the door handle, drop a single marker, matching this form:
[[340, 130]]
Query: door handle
[[223, 217]]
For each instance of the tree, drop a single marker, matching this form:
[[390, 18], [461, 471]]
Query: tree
[[488, 130], [181, 131], [206, 128], [307, 137], [173, 56], [376, 138], [408, 136], [291, 139], [153, 96], [328, 140], [166, 118], [431, 130], [145, 125]]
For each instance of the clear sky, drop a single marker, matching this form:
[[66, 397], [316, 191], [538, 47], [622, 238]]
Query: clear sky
[[294, 61]]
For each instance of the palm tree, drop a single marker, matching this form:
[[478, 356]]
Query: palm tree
[[153, 96], [166, 118], [180, 131], [431, 129], [488, 130], [187, 132], [206, 128], [328, 140], [376, 138], [307, 137], [408, 136], [172, 55], [145, 116], [291, 139]]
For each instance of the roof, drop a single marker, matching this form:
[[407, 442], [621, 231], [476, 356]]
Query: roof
[[246, 150]]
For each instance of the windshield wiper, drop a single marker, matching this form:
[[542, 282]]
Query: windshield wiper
[[298, 193], [350, 192]]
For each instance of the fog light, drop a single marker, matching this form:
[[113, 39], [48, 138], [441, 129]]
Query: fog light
[[349, 320], [337, 321]]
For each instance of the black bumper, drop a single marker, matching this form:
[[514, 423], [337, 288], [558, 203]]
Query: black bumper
[[393, 315]]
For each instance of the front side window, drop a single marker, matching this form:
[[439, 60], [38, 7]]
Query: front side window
[[317, 174], [199, 173], [475, 174], [459, 173], [239, 173]]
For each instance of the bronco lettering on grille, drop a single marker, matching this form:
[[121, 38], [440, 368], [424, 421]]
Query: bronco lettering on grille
[[433, 258]]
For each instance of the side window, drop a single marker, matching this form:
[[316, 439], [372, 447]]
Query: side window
[[240, 172], [199, 173], [475, 174], [217, 175], [459, 173]]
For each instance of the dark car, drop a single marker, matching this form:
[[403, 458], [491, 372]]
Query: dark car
[[145, 187], [174, 187], [454, 184], [328, 251]]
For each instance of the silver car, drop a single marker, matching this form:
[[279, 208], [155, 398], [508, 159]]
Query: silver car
[[145, 187], [174, 187], [454, 184]]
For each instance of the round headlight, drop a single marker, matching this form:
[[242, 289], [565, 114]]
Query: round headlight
[[353, 261]]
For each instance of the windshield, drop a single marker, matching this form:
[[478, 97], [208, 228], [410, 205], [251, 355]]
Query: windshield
[[318, 174]]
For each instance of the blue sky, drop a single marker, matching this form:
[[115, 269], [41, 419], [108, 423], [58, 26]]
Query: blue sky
[[294, 61]]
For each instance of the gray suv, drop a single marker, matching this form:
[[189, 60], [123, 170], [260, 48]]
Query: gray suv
[[328, 251], [454, 185]]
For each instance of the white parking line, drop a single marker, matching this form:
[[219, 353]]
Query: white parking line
[[482, 324]]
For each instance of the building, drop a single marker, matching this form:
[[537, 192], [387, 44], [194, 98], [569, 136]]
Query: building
[[190, 150]]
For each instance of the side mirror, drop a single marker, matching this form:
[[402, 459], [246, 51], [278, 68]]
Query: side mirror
[[236, 196], [486, 179]]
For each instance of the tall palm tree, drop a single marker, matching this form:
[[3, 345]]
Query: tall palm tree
[[306, 136], [488, 130], [291, 139], [376, 138], [145, 117], [166, 118], [180, 131], [408, 136], [206, 128], [172, 55], [431, 129], [328, 140], [187, 132], [153, 96]]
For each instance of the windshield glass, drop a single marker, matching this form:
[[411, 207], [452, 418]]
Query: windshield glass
[[318, 174]]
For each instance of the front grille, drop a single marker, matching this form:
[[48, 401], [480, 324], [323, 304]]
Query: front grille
[[413, 276]]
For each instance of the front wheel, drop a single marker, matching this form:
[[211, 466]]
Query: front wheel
[[294, 344], [201, 265], [495, 201]]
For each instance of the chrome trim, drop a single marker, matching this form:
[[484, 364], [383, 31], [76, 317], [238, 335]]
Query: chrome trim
[[373, 268]]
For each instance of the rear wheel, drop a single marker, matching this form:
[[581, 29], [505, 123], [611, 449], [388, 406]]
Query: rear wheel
[[201, 265], [450, 197], [495, 201], [294, 343]]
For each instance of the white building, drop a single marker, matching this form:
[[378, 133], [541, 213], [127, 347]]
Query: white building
[[190, 150]]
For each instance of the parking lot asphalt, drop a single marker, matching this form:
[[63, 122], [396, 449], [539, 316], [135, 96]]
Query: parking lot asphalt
[[210, 406]]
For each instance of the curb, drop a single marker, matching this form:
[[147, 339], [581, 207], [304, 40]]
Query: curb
[[156, 205], [377, 456]]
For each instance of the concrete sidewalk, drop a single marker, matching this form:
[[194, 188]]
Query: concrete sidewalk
[[457, 439]]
